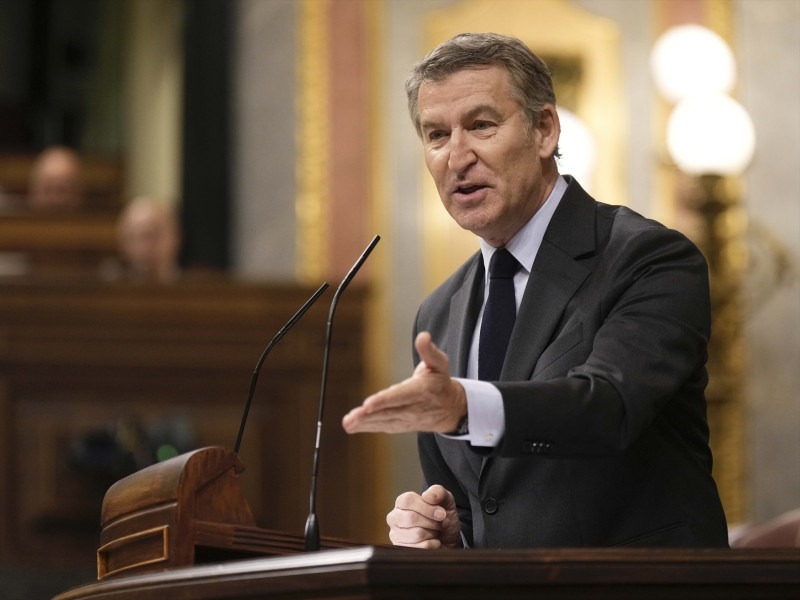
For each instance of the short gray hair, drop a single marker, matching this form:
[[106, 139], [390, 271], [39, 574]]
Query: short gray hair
[[531, 84]]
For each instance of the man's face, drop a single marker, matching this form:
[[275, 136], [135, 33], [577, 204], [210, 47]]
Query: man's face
[[56, 185], [486, 164], [148, 240]]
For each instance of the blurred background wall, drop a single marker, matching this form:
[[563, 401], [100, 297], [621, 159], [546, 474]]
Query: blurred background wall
[[278, 130]]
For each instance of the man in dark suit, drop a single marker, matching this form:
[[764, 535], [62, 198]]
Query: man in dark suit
[[585, 423]]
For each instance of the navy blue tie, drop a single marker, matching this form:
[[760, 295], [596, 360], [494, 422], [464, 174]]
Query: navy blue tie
[[499, 315]]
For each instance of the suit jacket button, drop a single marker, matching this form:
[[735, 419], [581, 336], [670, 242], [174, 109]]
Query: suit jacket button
[[490, 506]]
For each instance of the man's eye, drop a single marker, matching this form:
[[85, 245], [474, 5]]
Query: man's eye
[[481, 125], [435, 135]]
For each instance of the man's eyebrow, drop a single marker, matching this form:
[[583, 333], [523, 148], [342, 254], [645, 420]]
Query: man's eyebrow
[[483, 109], [477, 111], [425, 125]]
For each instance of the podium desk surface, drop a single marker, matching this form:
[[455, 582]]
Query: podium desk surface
[[394, 573]]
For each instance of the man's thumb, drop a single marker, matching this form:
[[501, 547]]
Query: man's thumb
[[429, 353]]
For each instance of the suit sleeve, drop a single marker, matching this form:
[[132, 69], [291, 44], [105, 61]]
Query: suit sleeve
[[641, 351]]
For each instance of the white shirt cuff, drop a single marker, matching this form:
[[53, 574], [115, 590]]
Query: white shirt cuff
[[487, 422]]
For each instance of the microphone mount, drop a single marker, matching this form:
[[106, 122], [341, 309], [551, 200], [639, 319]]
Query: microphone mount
[[312, 523], [269, 347]]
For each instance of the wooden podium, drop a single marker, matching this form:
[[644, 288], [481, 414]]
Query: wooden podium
[[169, 532], [184, 511], [401, 573]]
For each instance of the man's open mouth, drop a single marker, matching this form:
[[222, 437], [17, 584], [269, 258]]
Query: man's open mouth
[[468, 189]]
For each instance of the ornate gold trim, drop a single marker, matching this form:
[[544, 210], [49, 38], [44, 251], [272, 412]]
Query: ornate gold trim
[[382, 275], [312, 139]]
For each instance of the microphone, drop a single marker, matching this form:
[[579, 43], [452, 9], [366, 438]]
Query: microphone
[[269, 347], [312, 523]]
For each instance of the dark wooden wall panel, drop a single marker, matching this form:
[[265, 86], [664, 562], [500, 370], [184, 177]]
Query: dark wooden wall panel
[[81, 359]]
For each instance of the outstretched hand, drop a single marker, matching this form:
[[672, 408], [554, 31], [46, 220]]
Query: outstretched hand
[[429, 400]]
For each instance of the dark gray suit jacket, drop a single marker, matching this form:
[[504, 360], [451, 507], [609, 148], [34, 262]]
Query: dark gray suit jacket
[[606, 438]]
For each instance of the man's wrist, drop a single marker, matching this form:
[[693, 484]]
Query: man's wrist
[[463, 426], [461, 409], [486, 412]]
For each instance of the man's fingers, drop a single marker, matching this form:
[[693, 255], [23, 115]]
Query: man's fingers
[[408, 519], [350, 422], [438, 496], [359, 420], [399, 395], [417, 526], [418, 538], [420, 522], [413, 502]]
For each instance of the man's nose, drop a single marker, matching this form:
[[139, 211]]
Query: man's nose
[[462, 154]]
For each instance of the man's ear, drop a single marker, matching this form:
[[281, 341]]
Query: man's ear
[[549, 128]]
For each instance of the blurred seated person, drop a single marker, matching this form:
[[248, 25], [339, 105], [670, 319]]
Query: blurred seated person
[[149, 241], [56, 182]]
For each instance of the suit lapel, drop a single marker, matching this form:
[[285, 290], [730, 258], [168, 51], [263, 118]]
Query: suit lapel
[[554, 279], [465, 306], [550, 287]]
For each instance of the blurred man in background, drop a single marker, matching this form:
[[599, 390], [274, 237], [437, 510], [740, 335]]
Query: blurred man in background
[[149, 241], [56, 180]]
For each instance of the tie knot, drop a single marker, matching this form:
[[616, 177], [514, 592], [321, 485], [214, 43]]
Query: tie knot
[[503, 265]]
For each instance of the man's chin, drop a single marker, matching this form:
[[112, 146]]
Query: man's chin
[[473, 226], [471, 218]]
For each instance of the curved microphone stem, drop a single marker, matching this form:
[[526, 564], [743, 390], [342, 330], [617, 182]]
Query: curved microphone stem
[[312, 523], [274, 341]]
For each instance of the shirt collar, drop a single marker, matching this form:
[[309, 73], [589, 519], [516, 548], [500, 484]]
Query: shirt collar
[[525, 244]]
